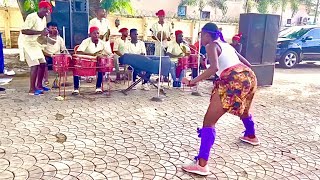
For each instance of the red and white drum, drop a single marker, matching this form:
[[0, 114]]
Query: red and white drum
[[61, 62], [84, 65], [183, 62], [193, 61], [105, 63]]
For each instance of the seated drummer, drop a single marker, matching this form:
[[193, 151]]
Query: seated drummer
[[136, 46], [92, 46], [175, 50], [52, 49], [118, 48]]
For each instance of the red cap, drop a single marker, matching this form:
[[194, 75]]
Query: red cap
[[123, 30], [237, 37], [93, 28], [45, 4], [161, 13], [177, 32]]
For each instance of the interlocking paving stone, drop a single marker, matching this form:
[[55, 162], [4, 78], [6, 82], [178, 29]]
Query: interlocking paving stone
[[130, 137]]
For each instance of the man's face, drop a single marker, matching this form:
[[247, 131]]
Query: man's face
[[125, 33], [94, 35], [161, 18], [53, 30], [179, 38], [134, 35], [101, 13], [117, 23], [44, 11]]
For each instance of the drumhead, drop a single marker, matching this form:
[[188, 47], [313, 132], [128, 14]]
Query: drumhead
[[80, 56]]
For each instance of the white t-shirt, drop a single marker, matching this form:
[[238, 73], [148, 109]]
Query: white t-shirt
[[34, 22], [119, 45], [167, 29], [55, 48], [138, 48], [176, 49], [88, 46], [103, 25], [227, 58]]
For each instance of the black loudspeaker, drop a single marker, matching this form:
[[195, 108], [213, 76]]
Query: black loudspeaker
[[72, 17], [259, 42], [79, 21], [61, 15]]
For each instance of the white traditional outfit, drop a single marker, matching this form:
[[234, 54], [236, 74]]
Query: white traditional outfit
[[32, 49]]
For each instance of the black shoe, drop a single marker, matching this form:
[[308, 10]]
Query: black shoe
[[2, 89]]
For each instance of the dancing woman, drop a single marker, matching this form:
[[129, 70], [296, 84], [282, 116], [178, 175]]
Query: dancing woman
[[233, 93]]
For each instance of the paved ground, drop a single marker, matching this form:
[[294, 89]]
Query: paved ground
[[130, 137]]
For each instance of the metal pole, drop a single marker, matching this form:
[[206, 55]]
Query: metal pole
[[196, 93], [160, 64]]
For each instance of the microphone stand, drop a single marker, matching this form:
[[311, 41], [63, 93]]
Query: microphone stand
[[158, 98]]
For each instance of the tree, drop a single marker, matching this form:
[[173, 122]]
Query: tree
[[313, 8], [220, 4], [27, 6], [120, 6]]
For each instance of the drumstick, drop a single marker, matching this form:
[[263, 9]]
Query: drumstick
[[185, 43]]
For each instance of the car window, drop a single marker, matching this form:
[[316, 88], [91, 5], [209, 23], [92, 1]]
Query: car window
[[314, 33], [294, 33]]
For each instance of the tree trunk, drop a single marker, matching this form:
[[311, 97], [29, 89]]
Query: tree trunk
[[316, 13], [93, 5]]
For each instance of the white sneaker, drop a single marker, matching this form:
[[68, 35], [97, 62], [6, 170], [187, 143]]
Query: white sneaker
[[9, 73], [145, 87], [98, 90]]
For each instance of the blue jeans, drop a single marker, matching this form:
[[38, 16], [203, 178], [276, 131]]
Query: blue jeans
[[173, 72], [76, 81]]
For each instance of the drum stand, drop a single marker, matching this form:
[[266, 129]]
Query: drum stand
[[196, 93], [108, 93], [142, 77], [64, 84]]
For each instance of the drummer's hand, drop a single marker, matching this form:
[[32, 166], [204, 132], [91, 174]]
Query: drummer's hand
[[45, 32], [187, 82], [98, 53]]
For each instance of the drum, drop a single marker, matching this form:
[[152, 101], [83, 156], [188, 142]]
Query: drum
[[60, 62], [193, 61], [84, 65], [183, 62], [105, 64]]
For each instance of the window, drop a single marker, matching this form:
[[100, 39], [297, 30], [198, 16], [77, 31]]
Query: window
[[314, 33], [182, 11], [205, 15]]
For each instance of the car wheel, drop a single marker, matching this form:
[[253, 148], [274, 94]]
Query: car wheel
[[289, 60]]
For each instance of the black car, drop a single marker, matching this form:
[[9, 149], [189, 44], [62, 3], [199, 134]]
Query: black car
[[297, 44]]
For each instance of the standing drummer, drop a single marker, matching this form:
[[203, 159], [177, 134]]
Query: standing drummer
[[92, 46], [177, 49], [158, 27], [102, 23], [33, 28]]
